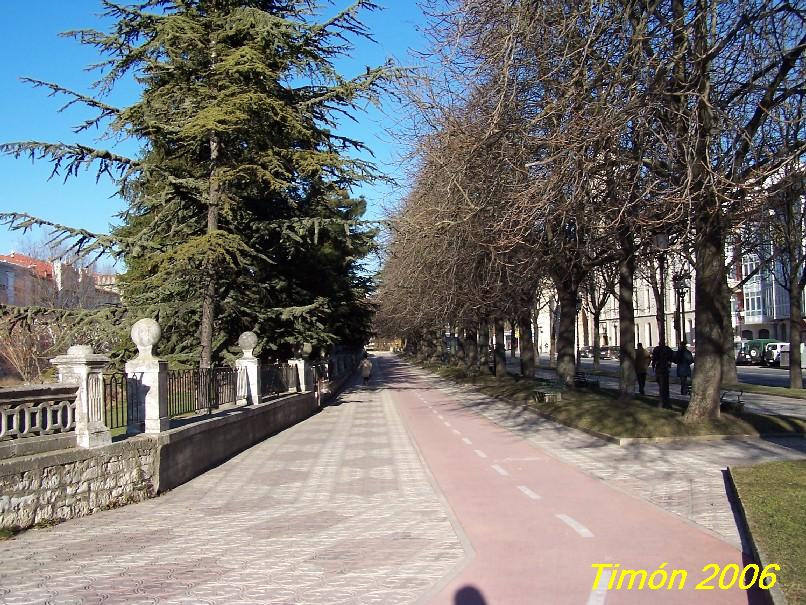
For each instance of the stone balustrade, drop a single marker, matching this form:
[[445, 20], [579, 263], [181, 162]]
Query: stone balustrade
[[77, 403], [35, 410]]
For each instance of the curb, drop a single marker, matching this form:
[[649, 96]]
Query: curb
[[774, 595]]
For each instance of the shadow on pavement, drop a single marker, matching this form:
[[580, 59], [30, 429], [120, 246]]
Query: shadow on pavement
[[469, 595]]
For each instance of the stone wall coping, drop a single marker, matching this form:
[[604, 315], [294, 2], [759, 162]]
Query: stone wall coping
[[28, 446], [37, 393], [230, 416], [37, 462]]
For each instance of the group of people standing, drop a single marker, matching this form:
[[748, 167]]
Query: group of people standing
[[661, 361]]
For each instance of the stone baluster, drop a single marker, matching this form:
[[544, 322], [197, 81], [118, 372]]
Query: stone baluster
[[248, 367], [84, 368], [148, 378]]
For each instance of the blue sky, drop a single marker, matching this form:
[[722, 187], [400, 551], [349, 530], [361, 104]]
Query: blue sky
[[30, 46]]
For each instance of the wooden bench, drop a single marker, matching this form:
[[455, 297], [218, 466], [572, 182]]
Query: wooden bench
[[731, 399], [582, 379], [547, 396]]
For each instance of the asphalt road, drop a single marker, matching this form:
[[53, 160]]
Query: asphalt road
[[773, 377]]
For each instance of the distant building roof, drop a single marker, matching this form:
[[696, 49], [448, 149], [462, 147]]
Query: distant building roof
[[40, 268]]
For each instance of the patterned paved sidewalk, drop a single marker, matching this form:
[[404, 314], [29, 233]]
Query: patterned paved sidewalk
[[683, 478], [337, 509]]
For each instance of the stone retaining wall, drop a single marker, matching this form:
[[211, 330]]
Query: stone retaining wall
[[55, 486]]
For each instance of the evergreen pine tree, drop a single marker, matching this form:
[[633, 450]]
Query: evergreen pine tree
[[239, 210]]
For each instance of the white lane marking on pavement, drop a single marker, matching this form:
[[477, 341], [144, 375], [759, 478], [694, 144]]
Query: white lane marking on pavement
[[599, 595], [575, 525], [500, 470], [440, 416], [448, 424], [481, 454], [528, 492], [457, 432], [466, 440], [433, 410]]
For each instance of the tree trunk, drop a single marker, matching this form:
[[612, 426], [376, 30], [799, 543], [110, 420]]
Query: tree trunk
[[484, 346], [566, 362], [471, 347], [795, 317], [709, 320], [597, 338], [439, 343], [626, 310], [500, 351], [209, 295], [526, 344], [461, 354]]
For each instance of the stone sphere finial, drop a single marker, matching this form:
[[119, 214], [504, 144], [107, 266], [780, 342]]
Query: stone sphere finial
[[307, 348], [145, 334], [247, 341], [79, 350]]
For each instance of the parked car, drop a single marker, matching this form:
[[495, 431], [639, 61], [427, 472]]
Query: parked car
[[586, 352], [772, 354], [751, 352]]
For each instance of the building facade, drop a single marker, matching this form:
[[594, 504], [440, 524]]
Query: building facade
[[28, 281]]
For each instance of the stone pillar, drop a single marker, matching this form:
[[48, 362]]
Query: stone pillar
[[84, 368], [248, 370], [303, 370], [148, 377]]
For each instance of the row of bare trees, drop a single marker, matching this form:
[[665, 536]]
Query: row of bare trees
[[555, 138]]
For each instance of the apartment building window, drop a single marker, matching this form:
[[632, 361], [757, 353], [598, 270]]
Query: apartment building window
[[753, 305], [749, 264]]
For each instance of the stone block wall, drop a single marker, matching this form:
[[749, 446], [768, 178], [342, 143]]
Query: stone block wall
[[55, 486]]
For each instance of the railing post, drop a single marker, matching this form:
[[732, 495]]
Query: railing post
[[248, 367], [83, 367], [149, 378]]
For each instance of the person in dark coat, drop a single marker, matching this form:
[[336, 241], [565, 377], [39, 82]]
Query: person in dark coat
[[662, 357], [684, 362]]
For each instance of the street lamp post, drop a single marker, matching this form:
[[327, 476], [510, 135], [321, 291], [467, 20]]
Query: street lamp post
[[662, 245], [682, 284]]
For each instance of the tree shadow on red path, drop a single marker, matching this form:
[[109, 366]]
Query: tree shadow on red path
[[469, 595]]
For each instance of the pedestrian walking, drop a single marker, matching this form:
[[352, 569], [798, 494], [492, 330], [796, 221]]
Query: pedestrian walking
[[662, 357], [366, 369], [684, 361], [641, 364]]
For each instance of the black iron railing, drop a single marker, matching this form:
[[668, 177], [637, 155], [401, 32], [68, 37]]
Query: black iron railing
[[273, 381], [118, 393], [201, 390]]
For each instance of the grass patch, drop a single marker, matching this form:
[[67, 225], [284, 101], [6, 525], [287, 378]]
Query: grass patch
[[602, 411], [774, 498], [6, 534], [767, 390]]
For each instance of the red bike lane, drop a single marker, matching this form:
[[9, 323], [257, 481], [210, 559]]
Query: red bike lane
[[537, 525]]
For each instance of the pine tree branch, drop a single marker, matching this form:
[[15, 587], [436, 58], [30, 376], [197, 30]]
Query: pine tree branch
[[72, 158], [106, 111], [80, 242]]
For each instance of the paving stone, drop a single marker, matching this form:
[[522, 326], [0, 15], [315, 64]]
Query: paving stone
[[337, 509]]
